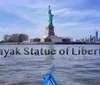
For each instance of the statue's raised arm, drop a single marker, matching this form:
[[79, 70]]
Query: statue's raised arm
[[50, 17]]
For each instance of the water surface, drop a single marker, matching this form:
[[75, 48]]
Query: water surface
[[67, 69]]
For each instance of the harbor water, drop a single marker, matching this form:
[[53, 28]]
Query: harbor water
[[67, 69]]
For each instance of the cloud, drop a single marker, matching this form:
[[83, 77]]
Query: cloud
[[82, 13], [68, 12], [59, 11]]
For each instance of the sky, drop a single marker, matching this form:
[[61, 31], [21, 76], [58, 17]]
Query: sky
[[72, 18]]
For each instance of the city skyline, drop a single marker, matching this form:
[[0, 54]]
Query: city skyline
[[76, 19]]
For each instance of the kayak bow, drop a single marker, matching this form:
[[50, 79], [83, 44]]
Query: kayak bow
[[49, 80]]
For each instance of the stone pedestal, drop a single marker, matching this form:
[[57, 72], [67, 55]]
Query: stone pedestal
[[49, 31], [50, 35]]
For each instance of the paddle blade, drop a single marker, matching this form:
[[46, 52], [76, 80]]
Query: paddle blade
[[49, 80]]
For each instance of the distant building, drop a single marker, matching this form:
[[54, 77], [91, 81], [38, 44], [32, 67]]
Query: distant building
[[91, 38], [35, 40], [67, 39], [96, 34], [94, 38]]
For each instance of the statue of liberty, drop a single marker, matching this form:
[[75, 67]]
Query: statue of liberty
[[50, 21]]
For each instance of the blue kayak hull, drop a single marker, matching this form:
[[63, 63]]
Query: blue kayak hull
[[49, 80]]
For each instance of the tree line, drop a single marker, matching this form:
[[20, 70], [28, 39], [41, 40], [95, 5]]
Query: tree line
[[16, 37]]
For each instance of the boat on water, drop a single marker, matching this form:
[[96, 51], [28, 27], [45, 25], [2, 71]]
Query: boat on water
[[49, 80]]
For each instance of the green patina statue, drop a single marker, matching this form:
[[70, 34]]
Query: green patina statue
[[50, 21]]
